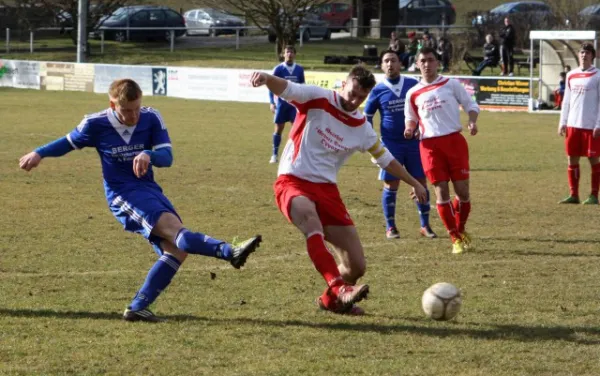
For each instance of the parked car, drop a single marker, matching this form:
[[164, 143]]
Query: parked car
[[590, 17], [313, 26], [141, 16], [426, 12], [338, 15], [534, 12], [209, 21]]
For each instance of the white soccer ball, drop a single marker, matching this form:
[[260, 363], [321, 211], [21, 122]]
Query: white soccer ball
[[441, 301]]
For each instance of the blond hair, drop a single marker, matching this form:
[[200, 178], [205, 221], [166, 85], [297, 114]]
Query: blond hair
[[124, 90]]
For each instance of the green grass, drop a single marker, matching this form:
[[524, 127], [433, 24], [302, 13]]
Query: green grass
[[258, 56], [67, 269]]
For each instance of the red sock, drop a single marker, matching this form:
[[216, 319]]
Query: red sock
[[573, 172], [461, 213], [446, 212], [595, 179], [323, 260]]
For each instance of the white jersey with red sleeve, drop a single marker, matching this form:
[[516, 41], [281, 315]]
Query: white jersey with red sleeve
[[323, 136], [580, 105], [435, 106]]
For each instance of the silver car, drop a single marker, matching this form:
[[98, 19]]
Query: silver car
[[213, 22]]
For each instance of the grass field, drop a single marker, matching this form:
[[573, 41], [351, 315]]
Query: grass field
[[256, 56], [67, 269]]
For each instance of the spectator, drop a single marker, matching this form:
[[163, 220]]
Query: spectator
[[567, 68], [395, 44], [444, 51], [507, 48], [408, 57], [427, 41], [560, 92], [491, 55]]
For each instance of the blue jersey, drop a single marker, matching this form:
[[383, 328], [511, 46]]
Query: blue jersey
[[388, 98], [294, 73], [118, 144]]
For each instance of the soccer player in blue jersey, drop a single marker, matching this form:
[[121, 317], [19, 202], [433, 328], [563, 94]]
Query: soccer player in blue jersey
[[284, 112], [388, 98], [130, 140]]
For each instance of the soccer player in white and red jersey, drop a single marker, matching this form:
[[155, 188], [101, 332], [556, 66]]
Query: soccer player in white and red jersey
[[433, 105], [328, 129], [580, 123]]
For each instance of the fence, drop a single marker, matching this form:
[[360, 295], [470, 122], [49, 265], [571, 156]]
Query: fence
[[243, 35]]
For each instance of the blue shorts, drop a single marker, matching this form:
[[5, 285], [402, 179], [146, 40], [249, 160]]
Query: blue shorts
[[285, 113], [408, 154], [139, 210]]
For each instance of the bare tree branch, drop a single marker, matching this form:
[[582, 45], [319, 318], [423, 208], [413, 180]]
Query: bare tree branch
[[282, 17]]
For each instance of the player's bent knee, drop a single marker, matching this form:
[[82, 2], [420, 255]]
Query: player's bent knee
[[172, 249], [167, 226]]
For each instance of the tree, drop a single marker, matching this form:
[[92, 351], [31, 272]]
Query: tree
[[67, 13], [26, 15], [282, 17], [567, 12]]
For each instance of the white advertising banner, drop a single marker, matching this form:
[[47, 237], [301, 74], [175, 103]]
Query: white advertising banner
[[213, 84], [20, 74], [105, 74], [221, 84], [198, 83], [245, 91]]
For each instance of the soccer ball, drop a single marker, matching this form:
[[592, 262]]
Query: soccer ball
[[441, 301]]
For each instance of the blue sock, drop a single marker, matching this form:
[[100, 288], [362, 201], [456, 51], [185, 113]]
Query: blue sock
[[388, 202], [200, 244], [159, 277], [276, 143], [424, 211]]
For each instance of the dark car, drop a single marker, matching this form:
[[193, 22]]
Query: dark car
[[313, 27], [209, 21], [338, 15], [589, 17], [146, 16], [426, 12], [532, 12]]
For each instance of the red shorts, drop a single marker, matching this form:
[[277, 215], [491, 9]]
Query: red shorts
[[581, 143], [330, 208], [445, 158]]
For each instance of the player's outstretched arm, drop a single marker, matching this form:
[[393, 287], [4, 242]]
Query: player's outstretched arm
[[275, 85], [294, 93], [56, 148]]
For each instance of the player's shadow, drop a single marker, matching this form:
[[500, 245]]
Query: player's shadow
[[409, 325], [49, 313], [450, 329]]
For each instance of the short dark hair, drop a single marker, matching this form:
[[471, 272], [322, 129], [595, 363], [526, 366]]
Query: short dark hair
[[562, 74], [363, 76], [588, 47], [427, 50], [290, 47], [388, 51]]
